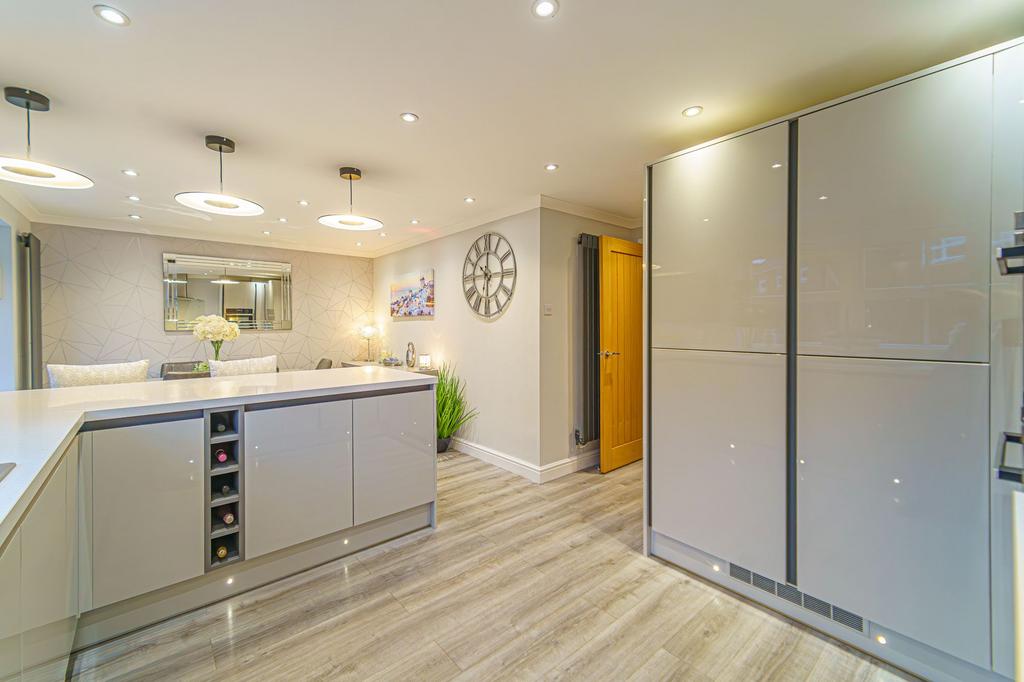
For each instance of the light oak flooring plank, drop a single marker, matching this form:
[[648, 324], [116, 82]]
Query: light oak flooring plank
[[518, 582]]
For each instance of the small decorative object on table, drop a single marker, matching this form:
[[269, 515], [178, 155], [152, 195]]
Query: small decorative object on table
[[410, 355], [390, 361], [216, 330], [452, 410], [424, 361], [368, 332]]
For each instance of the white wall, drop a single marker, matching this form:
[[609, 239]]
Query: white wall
[[499, 359], [560, 362], [102, 297]]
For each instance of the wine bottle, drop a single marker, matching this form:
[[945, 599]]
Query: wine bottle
[[222, 552], [220, 424], [227, 517], [225, 489], [221, 455]]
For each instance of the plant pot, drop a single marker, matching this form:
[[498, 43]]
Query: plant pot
[[443, 443]]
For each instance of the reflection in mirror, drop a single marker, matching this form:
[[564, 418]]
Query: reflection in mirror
[[255, 294]]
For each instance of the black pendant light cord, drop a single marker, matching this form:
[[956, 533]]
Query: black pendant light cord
[[220, 154], [350, 195], [28, 131]]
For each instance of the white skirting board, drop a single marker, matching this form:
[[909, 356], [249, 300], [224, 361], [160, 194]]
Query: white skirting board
[[538, 474]]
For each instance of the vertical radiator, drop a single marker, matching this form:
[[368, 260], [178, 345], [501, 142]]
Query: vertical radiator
[[587, 418]]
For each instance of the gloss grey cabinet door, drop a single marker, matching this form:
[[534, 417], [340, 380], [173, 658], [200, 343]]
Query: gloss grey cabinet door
[[718, 245], [147, 508], [894, 241], [718, 462], [298, 474], [394, 454], [892, 496], [10, 613]]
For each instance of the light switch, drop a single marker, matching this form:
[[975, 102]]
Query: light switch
[[548, 310]]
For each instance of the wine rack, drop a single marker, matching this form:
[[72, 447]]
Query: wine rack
[[225, 483]]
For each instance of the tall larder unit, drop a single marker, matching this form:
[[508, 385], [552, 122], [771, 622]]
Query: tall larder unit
[[833, 357]]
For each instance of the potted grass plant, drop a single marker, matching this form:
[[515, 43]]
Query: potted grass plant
[[452, 410]]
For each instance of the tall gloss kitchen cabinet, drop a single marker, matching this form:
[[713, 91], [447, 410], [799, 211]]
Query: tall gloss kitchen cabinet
[[718, 330], [894, 247], [832, 451]]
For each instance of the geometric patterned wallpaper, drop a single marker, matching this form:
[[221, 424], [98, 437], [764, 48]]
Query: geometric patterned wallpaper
[[102, 301]]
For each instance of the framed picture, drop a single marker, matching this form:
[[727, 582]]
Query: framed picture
[[413, 295]]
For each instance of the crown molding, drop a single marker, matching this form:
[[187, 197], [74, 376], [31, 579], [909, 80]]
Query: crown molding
[[582, 211]]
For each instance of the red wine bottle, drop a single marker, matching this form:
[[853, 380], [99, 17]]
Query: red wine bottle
[[227, 517], [221, 455], [222, 552]]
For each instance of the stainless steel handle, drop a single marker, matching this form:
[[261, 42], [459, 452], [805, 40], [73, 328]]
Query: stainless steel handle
[[608, 353], [1005, 471]]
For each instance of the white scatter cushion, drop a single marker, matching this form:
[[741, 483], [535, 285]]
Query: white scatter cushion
[[232, 368], [94, 375]]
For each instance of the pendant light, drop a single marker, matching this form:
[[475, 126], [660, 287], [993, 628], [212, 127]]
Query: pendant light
[[350, 221], [224, 279], [220, 203], [29, 172]]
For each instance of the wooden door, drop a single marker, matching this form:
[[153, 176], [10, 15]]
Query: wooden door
[[621, 351]]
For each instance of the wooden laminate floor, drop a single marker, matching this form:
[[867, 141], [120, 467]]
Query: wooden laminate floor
[[519, 581]]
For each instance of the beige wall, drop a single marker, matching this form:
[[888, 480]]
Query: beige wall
[[560, 362], [499, 359], [102, 297]]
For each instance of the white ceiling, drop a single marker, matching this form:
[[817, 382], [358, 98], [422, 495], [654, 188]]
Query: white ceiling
[[304, 87]]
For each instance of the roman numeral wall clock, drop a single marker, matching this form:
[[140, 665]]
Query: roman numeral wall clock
[[489, 275]]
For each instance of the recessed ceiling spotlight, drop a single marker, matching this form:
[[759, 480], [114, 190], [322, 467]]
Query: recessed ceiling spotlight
[[135, 217], [776, 165], [410, 117], [282, 220], [383, 234], [545, 9], [881, 640], [350, 221], [303, 202], [414, 221], [130, 173], [551, 167], [690, 112], [132, 197], [25, 171], [823, 197], [469, 200], [359, 243], [111, 15], [266, 232], [218, 202]]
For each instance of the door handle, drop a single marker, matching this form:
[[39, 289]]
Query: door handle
[[608, 353], [1005, 471]]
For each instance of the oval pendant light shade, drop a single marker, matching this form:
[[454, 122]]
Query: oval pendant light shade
[[26, 171], [219, 202], [350, 221]]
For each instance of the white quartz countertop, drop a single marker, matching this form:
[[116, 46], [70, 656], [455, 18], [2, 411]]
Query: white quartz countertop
[[37, 426]]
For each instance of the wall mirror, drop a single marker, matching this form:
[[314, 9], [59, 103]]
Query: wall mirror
[[255, 294]]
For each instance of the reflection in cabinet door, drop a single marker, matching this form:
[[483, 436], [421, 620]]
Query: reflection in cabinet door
[[894, 243], [394, 454]]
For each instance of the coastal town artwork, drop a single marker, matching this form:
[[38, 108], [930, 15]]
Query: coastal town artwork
[[413, 295]]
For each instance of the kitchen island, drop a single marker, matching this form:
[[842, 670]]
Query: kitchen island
[[130, 503]]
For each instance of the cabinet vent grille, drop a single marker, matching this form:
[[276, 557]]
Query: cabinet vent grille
[[740, 573], [766, 584], [850, 620], [795, 596]]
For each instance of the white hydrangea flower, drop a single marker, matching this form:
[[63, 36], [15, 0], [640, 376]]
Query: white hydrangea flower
[[214, 328]]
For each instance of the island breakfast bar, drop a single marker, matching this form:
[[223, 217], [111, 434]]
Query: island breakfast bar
[[131, 503]]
